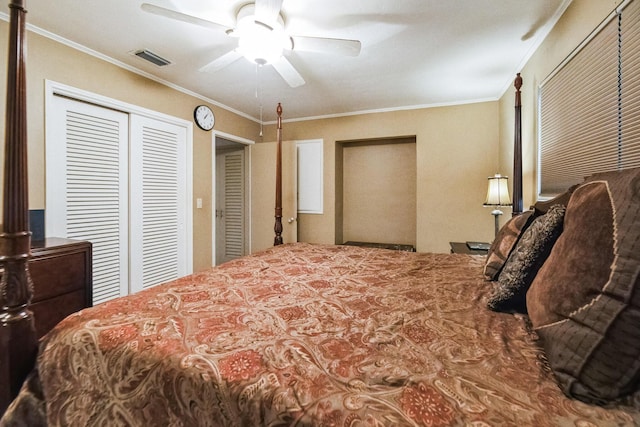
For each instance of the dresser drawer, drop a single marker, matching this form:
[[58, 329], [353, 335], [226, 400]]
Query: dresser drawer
[[55, 274], [59, 266], [49, 312]]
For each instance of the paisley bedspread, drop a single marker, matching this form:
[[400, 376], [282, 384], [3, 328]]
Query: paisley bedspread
[[307, 334]]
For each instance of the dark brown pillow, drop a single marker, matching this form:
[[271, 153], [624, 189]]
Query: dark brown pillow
[[504, 243], [585, 301], [541, 207], [525, 260]]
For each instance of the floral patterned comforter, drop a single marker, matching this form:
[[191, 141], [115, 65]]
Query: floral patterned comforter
[[307, 335]]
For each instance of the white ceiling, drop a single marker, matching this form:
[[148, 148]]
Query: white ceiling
[[414, 52]]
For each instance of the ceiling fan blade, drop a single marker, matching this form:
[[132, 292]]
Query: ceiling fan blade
[[288, 72], [267, 11], [179, 16], [325, 45], [221, 62]]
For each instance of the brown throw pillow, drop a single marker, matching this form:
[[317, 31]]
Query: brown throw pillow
[[541, 207], [504, 242], [585, 301], [525, 260]]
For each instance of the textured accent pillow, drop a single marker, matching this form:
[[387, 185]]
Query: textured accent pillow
[[504, 242], [585, 301], [533, 248]]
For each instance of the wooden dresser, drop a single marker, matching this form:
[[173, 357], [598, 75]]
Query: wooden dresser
[[61, 271]]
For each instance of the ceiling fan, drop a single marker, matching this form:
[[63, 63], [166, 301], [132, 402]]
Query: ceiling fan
[[260, 30]]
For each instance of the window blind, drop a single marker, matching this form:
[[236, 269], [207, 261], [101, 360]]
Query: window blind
[[630, 96], [589, 106]]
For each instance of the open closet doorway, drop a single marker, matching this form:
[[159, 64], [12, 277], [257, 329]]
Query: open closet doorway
[[376, 187], [230, 198]]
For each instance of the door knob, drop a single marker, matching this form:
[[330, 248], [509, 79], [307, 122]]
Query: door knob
[[291, 220]]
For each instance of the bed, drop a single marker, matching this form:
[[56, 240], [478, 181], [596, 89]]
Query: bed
[[542, 331]]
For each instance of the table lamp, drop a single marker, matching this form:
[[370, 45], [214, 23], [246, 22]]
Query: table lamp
[[497, 196]]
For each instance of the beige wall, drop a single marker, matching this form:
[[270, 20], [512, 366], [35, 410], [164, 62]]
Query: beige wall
[[578, 21], [379, 191], [49, 60], [456, 150]]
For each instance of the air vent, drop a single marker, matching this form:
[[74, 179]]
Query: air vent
[[152, 57]]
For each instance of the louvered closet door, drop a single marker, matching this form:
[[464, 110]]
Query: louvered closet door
[[86, 193], [158, 202], [234, 204], [119, 181], [230, 218]]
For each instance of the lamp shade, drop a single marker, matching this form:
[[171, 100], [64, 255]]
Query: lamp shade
[[498, 191]]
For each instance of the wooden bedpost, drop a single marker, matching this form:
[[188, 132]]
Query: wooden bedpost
[[278, 227], [18, 342], [517, 152]]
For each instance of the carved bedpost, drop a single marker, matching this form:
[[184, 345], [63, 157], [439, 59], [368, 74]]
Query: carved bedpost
[[18, 342], [517, 152], [278, 227]]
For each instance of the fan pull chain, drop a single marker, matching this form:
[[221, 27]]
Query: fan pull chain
[[261, 119], [259, 93]]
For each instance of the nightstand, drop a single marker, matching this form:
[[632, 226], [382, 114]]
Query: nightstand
[[392, 246], [462, 248]]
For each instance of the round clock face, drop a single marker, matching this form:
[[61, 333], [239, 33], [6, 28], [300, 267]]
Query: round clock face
[[204, 117]]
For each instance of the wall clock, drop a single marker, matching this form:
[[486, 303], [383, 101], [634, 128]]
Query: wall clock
[[204, 117]]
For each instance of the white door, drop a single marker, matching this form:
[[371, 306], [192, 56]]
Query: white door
[[310, 176], [230, 206], [158, 208], [86, 192], [263, 184], [119, 181]]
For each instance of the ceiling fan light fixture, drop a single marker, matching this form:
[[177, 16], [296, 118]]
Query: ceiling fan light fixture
[[259, 42], [260, 45], [261, 27]]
